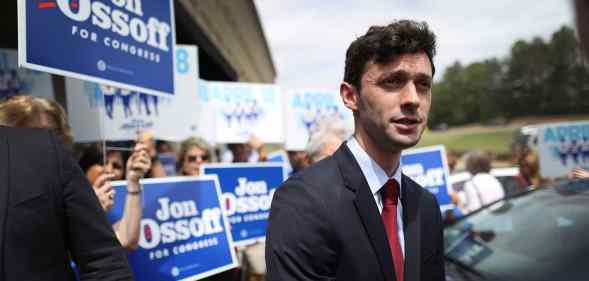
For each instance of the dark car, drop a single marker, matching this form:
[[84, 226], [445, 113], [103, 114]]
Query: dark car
[[540, 234]]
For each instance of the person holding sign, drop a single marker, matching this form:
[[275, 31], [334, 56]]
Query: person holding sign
[[100, 176], [354, 215]]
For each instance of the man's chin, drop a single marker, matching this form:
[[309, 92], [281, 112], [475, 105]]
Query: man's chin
[[404, 142]]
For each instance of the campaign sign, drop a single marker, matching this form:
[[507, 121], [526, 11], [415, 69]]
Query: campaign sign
[[305, 109], [563, 147], [99, 112], [184, 233], [247, 193], [122, 43], [280, 156], [428, 167], [15, 80], [243, 110]]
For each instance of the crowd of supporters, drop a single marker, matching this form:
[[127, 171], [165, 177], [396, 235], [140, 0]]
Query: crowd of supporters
[[146, 157], [130, 161]]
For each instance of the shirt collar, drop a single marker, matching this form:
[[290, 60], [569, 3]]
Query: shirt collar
[[375, 176]]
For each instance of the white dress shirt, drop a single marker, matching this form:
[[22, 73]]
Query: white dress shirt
[[376, 178]]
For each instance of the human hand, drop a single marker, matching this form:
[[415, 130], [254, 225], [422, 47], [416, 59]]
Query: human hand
[[104, 191], [578, 173], [138, 164], [255, 142]]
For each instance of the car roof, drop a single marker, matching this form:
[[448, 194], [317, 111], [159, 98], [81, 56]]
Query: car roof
[[497, 172]]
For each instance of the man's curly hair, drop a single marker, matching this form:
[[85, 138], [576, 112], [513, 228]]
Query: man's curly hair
[[384, 43]]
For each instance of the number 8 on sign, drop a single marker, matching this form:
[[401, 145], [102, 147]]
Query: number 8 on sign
[[182, 65]]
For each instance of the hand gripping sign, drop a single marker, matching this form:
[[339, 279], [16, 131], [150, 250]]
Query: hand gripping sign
[[121, 43], [184, 232], [247, 196]]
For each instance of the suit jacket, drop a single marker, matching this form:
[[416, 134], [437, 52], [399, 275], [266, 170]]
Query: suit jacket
[[49, 213], [325, 225]]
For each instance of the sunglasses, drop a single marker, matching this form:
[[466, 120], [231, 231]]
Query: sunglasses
[[193, 158], [116, 165]]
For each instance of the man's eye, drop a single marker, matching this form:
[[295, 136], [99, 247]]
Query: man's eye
[[394, 82], [425, 85]]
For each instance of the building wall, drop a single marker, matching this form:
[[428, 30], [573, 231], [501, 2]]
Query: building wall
[[235, 29]]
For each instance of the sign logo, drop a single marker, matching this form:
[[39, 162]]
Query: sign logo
[[179, 221], [122, 17]]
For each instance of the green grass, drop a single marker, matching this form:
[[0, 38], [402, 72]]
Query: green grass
[[491, 140]]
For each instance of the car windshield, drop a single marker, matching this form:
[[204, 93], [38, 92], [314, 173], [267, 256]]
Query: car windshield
[[538, 235]]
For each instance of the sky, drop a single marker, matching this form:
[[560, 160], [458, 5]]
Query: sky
[[308, 38]]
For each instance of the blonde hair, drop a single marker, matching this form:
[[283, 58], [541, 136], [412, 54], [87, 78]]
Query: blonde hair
[[27, 112], [189, 143], [21, 112]]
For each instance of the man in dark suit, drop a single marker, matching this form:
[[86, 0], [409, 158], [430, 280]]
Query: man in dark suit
[[49, 214], [354, 216]]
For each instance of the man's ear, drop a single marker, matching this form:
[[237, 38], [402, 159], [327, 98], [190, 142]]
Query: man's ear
[[349, 96]]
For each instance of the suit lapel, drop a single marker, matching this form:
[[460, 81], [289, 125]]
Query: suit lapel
[[367, 209], [412, 229]]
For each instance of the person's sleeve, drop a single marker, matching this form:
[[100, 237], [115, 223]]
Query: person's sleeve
[[90, 237], [299, 242], [435, 264]]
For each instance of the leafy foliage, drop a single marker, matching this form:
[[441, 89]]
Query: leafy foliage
[[538, 78]]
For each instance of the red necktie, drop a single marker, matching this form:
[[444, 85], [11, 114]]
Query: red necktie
[[390, 196]]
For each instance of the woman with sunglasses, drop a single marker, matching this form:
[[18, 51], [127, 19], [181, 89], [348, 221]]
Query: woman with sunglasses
[[193, 153], [100, 176]]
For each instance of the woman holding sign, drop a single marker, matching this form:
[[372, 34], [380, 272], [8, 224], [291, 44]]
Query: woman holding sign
[[100, 176]]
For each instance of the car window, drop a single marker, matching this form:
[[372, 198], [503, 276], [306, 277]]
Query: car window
[[540, 235]]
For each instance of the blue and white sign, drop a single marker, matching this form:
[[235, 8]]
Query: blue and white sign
[[305, 109], [563, 147], [243, 110], [99, 112], [184, 233], [429, 168], [122, 43], [247, 194], [280, 156], [15, 80]]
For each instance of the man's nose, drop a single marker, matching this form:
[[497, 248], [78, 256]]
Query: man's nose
[[409, 96]]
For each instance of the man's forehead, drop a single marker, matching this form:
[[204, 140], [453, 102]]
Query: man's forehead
[[416, 63]]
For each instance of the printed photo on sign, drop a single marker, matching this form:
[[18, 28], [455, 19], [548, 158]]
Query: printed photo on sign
[[184, 232], [16, 80], [99, 112], [247, 194], [429, 168], [119, 43], [305, 109], [563, 147], [243, 110]]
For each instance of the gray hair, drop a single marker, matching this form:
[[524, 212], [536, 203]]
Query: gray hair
[[478, 161], [327, 129]]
